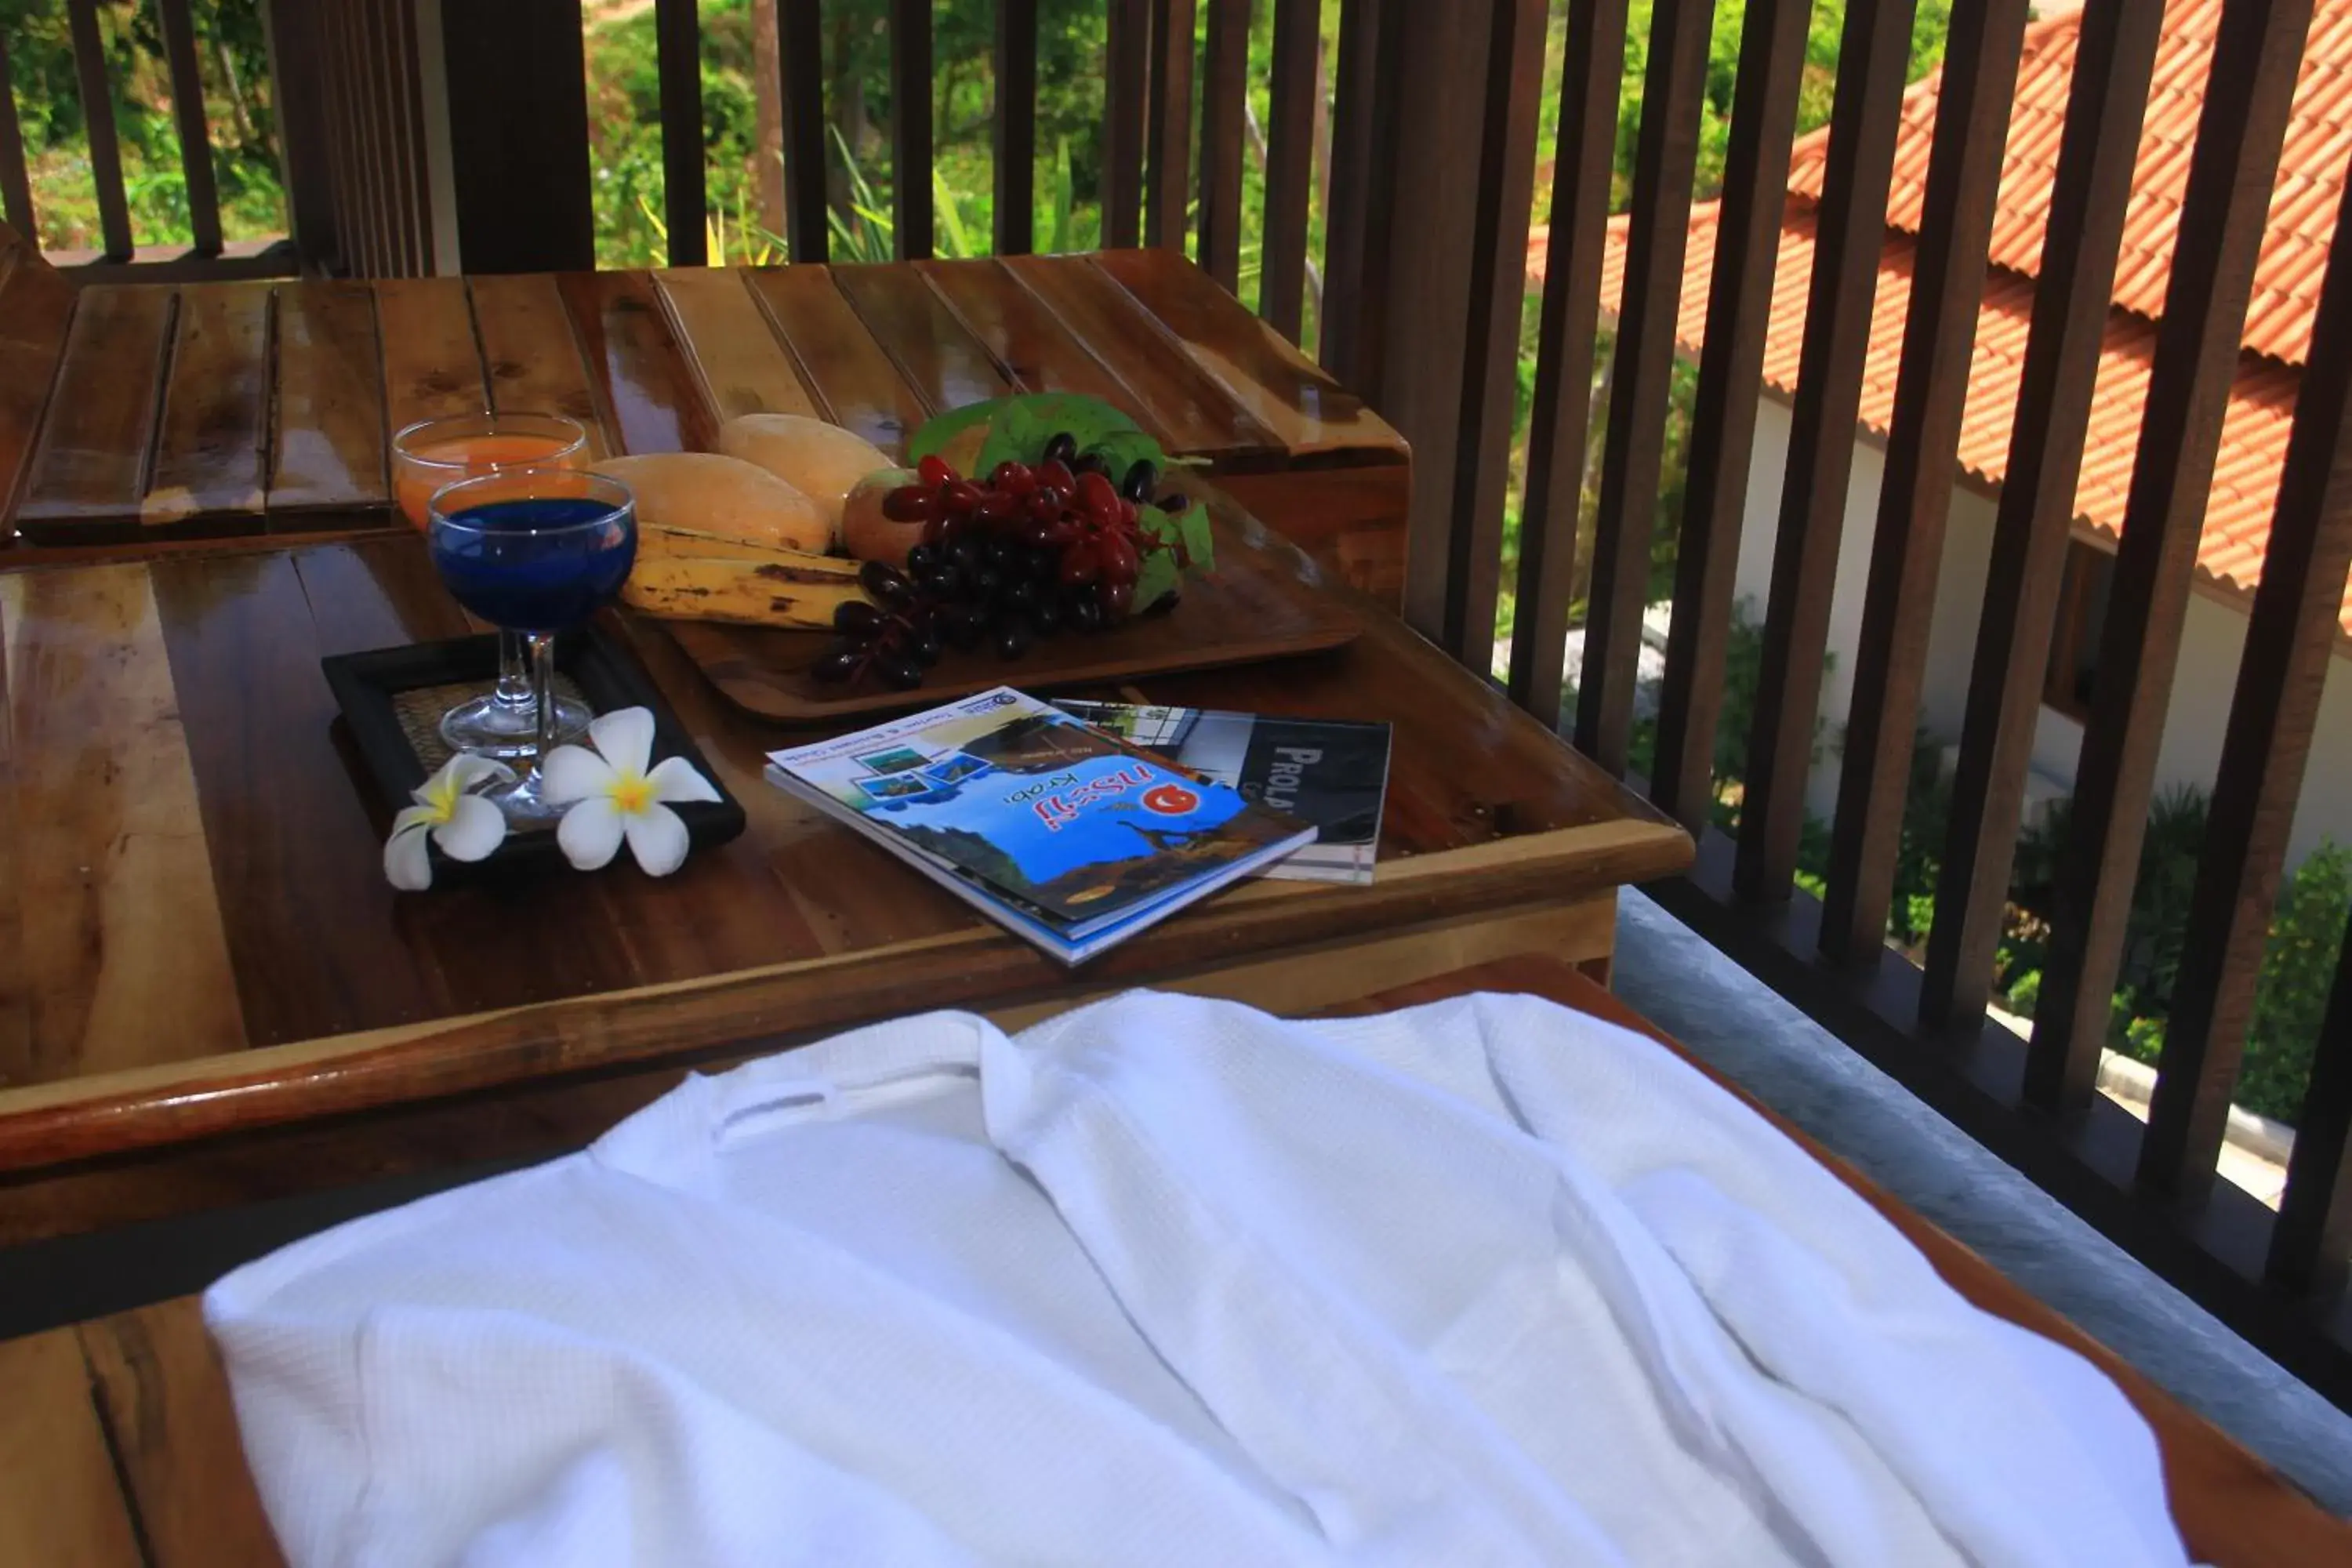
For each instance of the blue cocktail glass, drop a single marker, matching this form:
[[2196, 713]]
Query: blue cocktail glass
[[534, 550]]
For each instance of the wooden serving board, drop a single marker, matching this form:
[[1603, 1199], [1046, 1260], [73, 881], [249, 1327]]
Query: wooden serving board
[[1266, 599]]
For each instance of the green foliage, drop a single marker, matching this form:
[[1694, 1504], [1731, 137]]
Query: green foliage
[[233, 63]]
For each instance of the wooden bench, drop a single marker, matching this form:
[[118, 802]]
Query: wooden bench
[[35, 305], [118, 1443]]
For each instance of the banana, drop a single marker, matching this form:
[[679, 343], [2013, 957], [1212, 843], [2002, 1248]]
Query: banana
[[802, 592], [662, 543]]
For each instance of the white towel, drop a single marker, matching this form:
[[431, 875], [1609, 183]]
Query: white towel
[[1172, 1281]]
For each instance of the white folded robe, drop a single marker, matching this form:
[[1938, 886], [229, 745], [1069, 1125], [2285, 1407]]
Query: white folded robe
[[1172, 1281]]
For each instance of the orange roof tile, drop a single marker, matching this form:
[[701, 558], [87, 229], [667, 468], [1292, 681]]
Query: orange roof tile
[[2254, 432], [2311, 166]]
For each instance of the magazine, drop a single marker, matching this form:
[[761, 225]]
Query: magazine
[[1072, 839], [1331, 773]]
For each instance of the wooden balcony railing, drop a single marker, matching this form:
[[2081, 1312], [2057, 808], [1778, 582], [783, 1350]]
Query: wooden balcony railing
[[425, 137]]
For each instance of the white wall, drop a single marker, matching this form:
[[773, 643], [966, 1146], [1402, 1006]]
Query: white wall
[[2212, 638]]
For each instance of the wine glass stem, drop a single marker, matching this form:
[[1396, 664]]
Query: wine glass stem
[[514, 691], [542, 692]]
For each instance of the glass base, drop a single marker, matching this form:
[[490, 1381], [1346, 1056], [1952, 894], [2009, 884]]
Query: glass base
[[523, 804], [489, 727]]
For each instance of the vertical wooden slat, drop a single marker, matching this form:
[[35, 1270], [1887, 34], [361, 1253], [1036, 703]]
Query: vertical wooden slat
[[800, 36], [677, 43], [2312, 1242], [1017, 127], [1498, 288], [98, 117], [2113, 63], [297, 70], [1980, 61], [2289, 648], [1225, 96], [1851, 233], [1359, 135], [518, 93], [910, 128], [188, 116], [1289, 163], [1126, 104], [1665, 154], [2258, 49], [1730, 387], [391, 89], [15, 190], [358, 94], [1561, 418], [340, 184], [1170, 141]]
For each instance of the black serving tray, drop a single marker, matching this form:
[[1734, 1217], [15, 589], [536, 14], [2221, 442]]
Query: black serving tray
[[395, 757]]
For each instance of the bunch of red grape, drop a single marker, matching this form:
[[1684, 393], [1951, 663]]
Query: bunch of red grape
[[1034, 551]]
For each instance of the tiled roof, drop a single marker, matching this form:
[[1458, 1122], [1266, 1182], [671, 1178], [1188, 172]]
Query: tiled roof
[[2262, 404], [2253, 431], [2312, 165]]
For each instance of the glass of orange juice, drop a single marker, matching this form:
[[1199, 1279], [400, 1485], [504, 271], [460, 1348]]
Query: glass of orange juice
[[433, 454]]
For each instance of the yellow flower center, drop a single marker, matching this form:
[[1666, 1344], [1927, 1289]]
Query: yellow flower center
[[441, 798], [632, 796]]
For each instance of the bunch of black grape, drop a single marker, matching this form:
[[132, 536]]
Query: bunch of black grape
[[1032, 553]]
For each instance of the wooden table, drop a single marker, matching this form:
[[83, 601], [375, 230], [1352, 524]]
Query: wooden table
[[211, 996], [120, 1445], [243, 410]]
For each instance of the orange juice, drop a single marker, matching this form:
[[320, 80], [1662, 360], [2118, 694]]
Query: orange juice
[[418, 475]]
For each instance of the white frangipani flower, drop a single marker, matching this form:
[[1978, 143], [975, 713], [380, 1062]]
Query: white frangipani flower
[[613, 796], [466, 825]]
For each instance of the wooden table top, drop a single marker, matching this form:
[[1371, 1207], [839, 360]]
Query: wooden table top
[[197, 937], [119, 1443], [207, 411]]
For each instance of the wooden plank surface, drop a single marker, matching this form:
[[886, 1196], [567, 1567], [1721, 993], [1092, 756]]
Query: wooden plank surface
[[635, 368], [532, 354], [729, 345], [117, 958], [212, 436], [1288, 394], [90, 471], [159, 1383], [352, 994], [1180, 396], [859, 387], [59, 1504], [327, 438], [37, 307], [935, 353], [432, 365], [1022, 333]]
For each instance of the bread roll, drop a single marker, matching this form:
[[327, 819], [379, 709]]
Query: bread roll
[[721, 498], [822, 461]]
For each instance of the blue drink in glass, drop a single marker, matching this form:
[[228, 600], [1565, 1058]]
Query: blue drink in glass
[[534, 550], [528, 564]]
